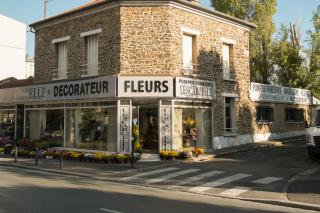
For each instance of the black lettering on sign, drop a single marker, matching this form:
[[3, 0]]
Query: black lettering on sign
[[165, 86], [157, 86], [140, 86], [149, 86], [126, 86], [55, 91], [132, 87], [105, 87]]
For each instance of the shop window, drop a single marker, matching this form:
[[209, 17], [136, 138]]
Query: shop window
[[193, 127], [46, 126], [93, 129], [92, 54], [7, 127], [264, 114], [189, 54], [229, 114], [294, 115], [62, 60]]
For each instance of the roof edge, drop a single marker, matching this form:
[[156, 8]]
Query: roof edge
[[183, 2]]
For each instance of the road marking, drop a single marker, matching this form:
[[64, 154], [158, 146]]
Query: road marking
[[172, 175], [109, 210], [267, 180], [234, 191], [218, 182], [150, 173], [198, 177]]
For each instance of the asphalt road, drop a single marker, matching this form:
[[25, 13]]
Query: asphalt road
[[32, 191], [259, 174]]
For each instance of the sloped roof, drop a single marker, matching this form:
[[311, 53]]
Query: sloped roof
[[13, 82]]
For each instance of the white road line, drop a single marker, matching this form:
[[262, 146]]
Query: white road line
[[218, 182], [234, 191], [150, 173], [109, 210], [198, 177], [266, 180], [172, 175]]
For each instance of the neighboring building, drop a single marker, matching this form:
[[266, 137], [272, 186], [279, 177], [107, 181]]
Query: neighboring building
[[29, 66], [170, 74], [12, 48]]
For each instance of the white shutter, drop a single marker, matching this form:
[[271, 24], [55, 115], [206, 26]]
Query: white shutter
[[92, 55], [62, 60], [226, 58], [187, 51]]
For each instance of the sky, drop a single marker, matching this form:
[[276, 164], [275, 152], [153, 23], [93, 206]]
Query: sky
[[29, 11]]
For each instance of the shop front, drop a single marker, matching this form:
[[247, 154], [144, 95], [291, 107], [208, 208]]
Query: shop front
[[152, 113]]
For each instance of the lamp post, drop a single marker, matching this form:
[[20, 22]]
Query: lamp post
[[45, 7]]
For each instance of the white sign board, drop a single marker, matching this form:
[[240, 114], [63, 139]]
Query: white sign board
[[124, 128], [85, 89], [272, 93], [195, 88], [165, 128], [145, 86]]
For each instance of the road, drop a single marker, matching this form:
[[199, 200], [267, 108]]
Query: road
[[23, 190], [259, 174]]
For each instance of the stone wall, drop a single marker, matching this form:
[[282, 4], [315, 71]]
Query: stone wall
[[46, 51], [151, 44]]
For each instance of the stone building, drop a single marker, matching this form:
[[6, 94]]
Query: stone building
[[161, 74]]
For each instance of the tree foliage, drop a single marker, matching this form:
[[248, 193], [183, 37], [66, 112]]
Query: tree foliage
[[287, 60], [260, 12]]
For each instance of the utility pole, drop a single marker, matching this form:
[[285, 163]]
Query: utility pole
[[45, 8]]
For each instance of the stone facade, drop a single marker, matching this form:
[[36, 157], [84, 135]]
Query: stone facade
[[147, 40]]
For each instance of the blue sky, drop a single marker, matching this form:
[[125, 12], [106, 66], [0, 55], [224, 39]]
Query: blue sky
[[29, 11]]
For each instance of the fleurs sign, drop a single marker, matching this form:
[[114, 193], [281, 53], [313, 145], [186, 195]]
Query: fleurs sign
[[85, 89], [195, 88], [142, 86], [272, 93]]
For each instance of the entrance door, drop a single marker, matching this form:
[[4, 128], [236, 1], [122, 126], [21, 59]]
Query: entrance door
[[145, 120]]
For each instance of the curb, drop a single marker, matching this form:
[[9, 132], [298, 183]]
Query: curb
[[217, 155]]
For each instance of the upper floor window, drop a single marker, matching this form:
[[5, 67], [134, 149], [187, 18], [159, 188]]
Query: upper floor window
[[294, 115], [228, 73], [189, 54], [92, 55], [264, 114], [60, 72], [91, 67]]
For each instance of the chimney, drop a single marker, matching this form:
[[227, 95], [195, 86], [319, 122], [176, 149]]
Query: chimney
[[194, 1]]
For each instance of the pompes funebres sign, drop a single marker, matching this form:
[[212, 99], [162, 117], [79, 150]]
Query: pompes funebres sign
[[273, 93], [195, 88], [85, 89]]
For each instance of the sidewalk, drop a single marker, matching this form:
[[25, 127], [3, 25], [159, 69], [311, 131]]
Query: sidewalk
[[103, 171]]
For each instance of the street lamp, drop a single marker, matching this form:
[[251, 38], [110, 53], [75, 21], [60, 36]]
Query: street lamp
[[45, 7]]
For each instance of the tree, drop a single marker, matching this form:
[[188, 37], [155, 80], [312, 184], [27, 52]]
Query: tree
[[260, 12], [288, 63], [237, 8], [314, 54]]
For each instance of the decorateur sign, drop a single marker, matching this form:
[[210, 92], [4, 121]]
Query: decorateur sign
[[85, 89], [272, 93]]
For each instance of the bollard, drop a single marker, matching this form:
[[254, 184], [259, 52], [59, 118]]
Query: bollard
[[61, 159], [16, 154], [37, 157], [132, 157]]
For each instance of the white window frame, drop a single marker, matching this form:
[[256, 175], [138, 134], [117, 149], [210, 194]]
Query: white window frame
[[233, 114], [92, 66], [227, 72], [188, 68]]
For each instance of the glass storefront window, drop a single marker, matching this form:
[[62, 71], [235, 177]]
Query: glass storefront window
[[45, 125], [93, 129], [192, 128], [7, 124]]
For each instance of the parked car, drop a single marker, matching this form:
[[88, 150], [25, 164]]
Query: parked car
[[313, 136]]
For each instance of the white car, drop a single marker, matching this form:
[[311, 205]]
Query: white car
[[313, 136]]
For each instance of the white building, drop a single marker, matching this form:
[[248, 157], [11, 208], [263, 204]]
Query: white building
[[12, 48], [29, 66]]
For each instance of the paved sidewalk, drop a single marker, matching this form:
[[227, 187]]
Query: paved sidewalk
[[84, 169], [102, 170]]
